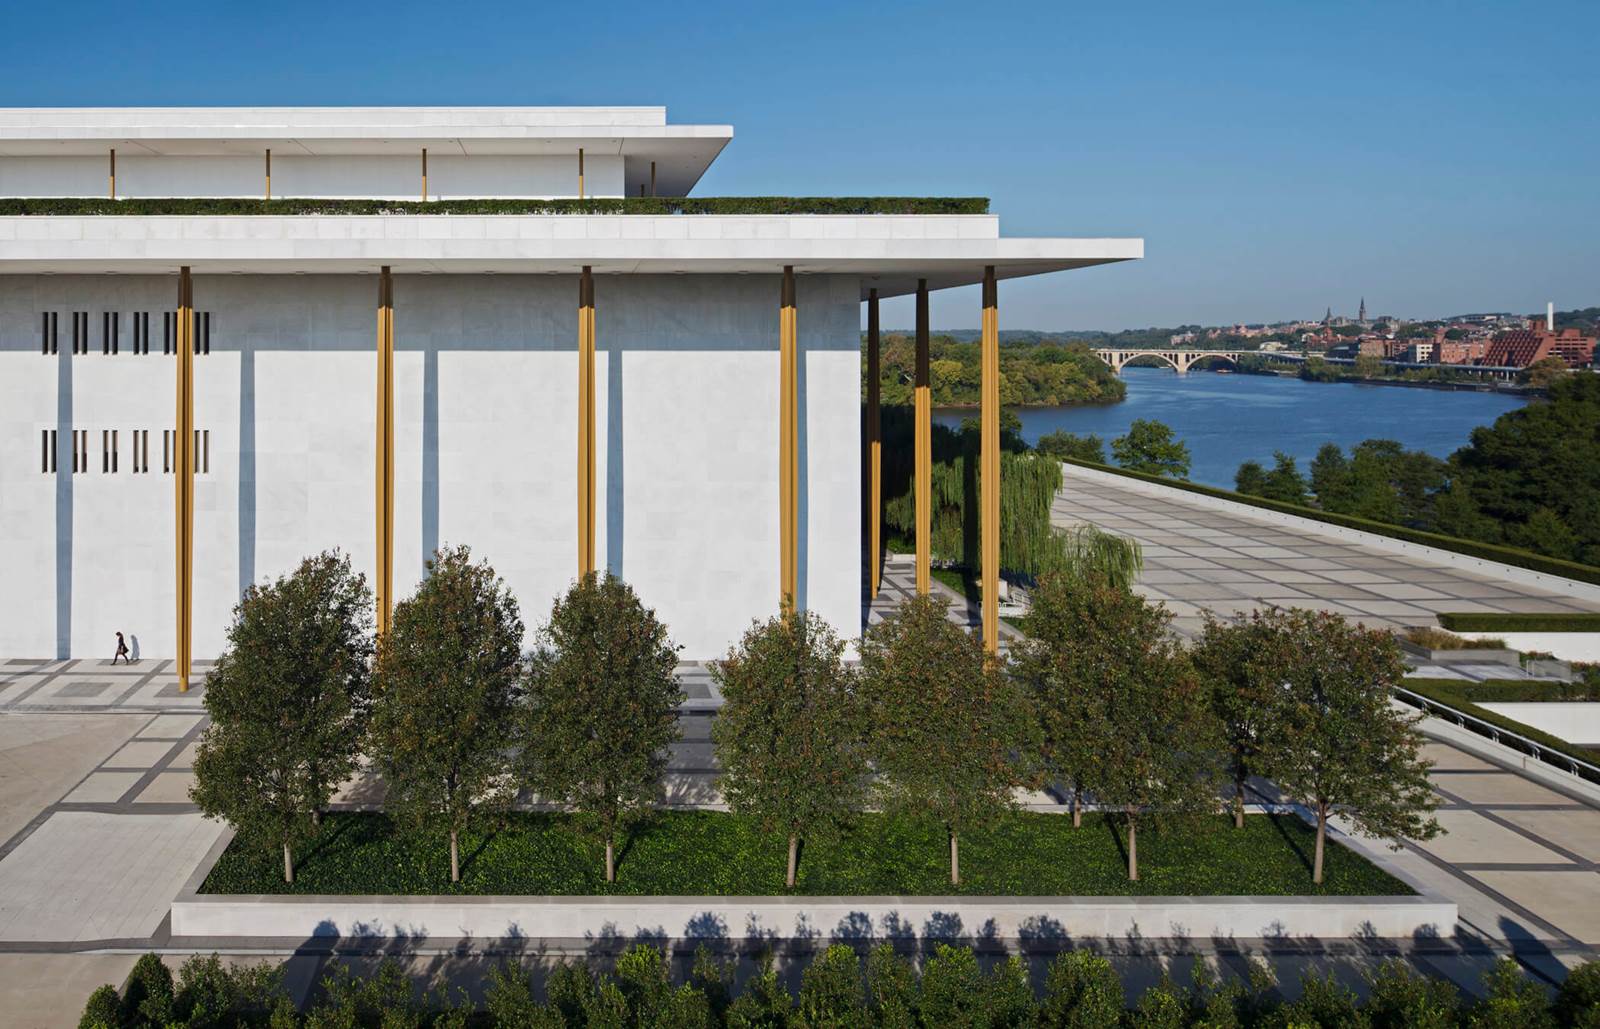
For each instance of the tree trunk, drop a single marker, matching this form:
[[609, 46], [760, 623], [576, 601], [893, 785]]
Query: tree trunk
[[316, 817], [611, 861], [955, 860], [1322, 832], [1133, 849], [455, 859], [1077, 808], [794, 855], [1238, 802], [288, 863]]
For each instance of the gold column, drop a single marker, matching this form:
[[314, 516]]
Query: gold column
[[384, 491], [585, 422], [874, 452], [652, 178], [424, 173], [989, 465], [269, 173], [183, 474], [111, 175], [788, 445], [923, 434], [580, 173]]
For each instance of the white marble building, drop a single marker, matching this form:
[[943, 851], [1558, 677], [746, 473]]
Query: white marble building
[[486, 366]]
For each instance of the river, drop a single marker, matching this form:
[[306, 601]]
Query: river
[[1229, 419]]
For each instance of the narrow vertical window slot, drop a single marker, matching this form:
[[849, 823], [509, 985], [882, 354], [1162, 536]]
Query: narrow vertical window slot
[[144, 435], [105, 451], [105, 333], [205, 451], [44, 450], [166, 332], [116, 331], [44, 333], [114, 449], [166, 451]]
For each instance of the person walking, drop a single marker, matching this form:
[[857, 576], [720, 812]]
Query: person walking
[[122, 651]]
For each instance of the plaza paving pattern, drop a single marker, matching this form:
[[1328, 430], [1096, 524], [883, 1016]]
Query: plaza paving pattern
[[1198, 558]]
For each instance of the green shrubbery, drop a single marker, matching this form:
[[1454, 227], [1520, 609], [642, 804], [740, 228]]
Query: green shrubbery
[[494, 205], [1519, 621], [948, 989]]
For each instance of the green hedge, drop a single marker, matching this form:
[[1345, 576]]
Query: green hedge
[[1472, 548], [1452, 693], [1518, 690], [1495, 621], [948, 987], [598, 205], [714, 853]]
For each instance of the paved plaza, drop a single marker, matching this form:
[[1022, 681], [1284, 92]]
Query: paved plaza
[[1198, 558]]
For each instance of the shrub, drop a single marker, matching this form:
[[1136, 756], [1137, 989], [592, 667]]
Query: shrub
[[1082, 991], [102, 1010], [1511, 1000], [831, 990], [952, 988], [1324, 1001], [1429, 638], [891, 988], [1398, 998], [1578, 1000], [1162, 1006], [763, 1002], [1066, 444], [147, 997], [644, 982]]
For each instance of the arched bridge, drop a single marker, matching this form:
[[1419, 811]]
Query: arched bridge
[[1179, 358]]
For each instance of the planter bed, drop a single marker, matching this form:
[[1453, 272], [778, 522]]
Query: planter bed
[[710, 875], [699, 853]]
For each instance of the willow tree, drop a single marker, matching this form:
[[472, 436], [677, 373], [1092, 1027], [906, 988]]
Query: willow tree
[[447, 679], [288, 700], [1338, 745], [951, 734], [602, 707], [789, 735]]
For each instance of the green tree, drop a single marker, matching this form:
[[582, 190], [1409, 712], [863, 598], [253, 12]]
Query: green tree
[[602, 707], [1082, 991], [1242, 688], [446, 683], [950, 732], [1090, 551], [1150, 447], [1250, 479], [1545, 533], [788, 736], [1284, 483], [1544, 455], [1061, 443], [1148, 733], [1337, 746], [1368, 366], [1544, 373], [288, 699]]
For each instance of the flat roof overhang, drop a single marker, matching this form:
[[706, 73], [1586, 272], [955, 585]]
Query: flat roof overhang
[[638, 134], [947, 250]]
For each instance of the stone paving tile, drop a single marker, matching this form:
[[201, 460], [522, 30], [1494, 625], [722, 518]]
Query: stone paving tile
[[167, 788], [102, 788], [1470, 836], [91, 876], [139, 754], [1577, 827], [169, 727], [1500, 788], [1448, 758], [1571, 900]]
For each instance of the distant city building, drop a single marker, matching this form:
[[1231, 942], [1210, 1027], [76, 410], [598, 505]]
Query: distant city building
[[1418, 351], [1362, 316], [1518, 348], [1459, 351], [1179, 339]]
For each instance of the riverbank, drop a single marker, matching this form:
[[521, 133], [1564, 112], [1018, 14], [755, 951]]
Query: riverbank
[[1507, 388]]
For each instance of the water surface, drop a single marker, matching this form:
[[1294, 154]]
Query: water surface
[[1229, 419]]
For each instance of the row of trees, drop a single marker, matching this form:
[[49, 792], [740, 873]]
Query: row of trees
[[1041, 374], [949, 989], [444, 704], [1148, 446], [1100, 700], [1530, 480]]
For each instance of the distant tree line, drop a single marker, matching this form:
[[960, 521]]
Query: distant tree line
[[1042, 375]]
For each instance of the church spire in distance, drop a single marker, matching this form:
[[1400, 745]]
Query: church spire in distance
[[1362, 317]]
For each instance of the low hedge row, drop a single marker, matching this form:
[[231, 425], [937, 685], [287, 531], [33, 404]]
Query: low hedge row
[[948, 988], [593, 205], [1450, 692], [1518, 690], [1498, 621], [1472, 548]]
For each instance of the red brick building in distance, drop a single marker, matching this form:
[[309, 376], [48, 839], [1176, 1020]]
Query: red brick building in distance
[[1519, 348]]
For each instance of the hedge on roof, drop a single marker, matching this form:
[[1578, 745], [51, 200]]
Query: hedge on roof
[[595, 205], [1500, 621], [1471, 548]]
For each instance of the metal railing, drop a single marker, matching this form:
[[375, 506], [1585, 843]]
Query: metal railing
[[1499, 734]]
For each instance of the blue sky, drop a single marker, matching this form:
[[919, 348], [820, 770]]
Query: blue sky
[[1277, 157]]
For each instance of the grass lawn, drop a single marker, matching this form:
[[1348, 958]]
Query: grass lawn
[[707, 852]]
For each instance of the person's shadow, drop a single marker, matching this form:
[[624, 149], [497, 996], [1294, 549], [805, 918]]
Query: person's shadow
[[133, 646]]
